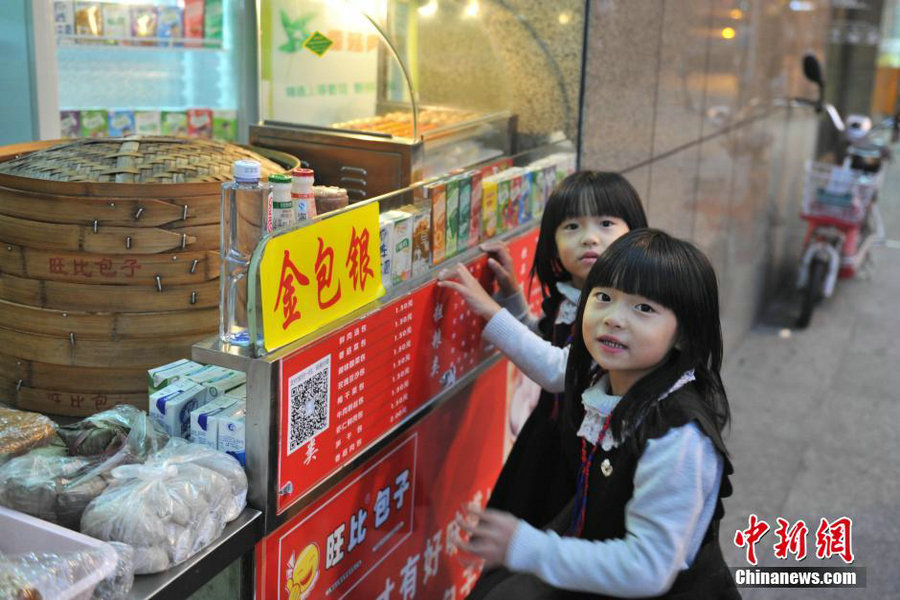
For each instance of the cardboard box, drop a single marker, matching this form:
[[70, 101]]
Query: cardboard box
[[421, 240], [401, 270], [503, 203], [171, 406], [475, 217], [240, 392], [193, 22], [147, 122], [231, 427], [164, 375], [116, 23], [200, 122], [386, 248], [225, 125], [174, 122], [489, 217], [465, 210], [437, 196], [170, 26], [93, 123], [70, 123], [451, 245], [64, 19], [217, 382], [205, 423], [121, 123]]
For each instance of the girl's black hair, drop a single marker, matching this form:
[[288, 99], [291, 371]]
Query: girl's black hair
[[674, 273], [583, 193]]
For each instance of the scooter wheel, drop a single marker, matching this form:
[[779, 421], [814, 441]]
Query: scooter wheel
[[812, 292]]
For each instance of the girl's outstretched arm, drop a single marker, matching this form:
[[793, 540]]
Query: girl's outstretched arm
[[489, 537], [468, 287], [509, 293]]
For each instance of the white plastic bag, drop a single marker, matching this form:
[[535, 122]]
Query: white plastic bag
[[63, 576], [170, 507]]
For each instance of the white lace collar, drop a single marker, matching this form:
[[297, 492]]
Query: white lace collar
[[568, 308], [598, 404]]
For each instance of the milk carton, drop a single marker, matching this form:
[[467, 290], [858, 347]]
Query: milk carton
[[421, 243], [160, 377], [231, 425], [171, 406], [402, 267], [219, 381], [386, 248], [205, 422]]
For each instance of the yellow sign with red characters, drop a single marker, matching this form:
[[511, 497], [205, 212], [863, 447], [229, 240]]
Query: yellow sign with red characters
[[314, 275]]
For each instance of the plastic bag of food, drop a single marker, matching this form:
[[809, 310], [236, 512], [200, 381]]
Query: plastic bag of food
[[170, 507], [63, 576], [57, 488], [117, 585], [21, 430]]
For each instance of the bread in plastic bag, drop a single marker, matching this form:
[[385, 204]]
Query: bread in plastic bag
[[62, 576], [58, 488], [171, 507], [21, 430], [101, 433], [118, 584]]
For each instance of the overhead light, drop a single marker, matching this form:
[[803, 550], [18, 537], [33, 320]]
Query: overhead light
[[565, 18], [736, 14], [728, 33], [801, 6], [472, 8], [428, 10]]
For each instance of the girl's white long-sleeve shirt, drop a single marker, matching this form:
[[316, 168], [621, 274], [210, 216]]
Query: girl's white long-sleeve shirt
[[676, 486], [513, 331]]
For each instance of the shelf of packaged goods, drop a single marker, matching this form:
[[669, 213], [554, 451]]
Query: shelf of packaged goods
[[141, 43]]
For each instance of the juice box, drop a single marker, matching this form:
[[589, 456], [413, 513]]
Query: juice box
[[502, 204], [225, 125], [421, 246], [452, 240], [205, 425], [465, 211], [549, 181], [64, 19], [218, 382], [200, 122], [401, 270], [437, 197], [231, 427], [174, 122], [386, 248], [171, 406], [147, 122], [212, 23], [116, 23], [88, 21], [143, 23], [516, 199], [69, 123], [489, 189], [193, 22], [93, 123], [475, 218], [121, 123], [170, 26], [160, 377]]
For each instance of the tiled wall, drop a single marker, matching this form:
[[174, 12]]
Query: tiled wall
[[694, 121]]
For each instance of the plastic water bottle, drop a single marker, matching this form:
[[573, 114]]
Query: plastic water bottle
[[244, 217]]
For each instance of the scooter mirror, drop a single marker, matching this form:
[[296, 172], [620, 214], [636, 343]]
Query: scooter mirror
[[813, 70]]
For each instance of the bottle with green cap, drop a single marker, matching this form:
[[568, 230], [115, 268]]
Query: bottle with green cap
[[282, 205]]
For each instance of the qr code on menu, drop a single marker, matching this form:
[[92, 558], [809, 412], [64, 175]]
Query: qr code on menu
[[309, 392]]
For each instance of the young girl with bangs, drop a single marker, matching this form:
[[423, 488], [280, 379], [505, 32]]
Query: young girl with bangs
[[586, 212], [645, 408]]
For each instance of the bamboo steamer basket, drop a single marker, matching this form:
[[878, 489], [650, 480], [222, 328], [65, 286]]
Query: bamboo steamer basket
[[109, 263]]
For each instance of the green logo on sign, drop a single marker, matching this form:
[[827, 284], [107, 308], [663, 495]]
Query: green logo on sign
[[295, 31], [318, 43]]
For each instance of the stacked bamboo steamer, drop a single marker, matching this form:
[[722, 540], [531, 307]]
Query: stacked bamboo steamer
[[109, 264]]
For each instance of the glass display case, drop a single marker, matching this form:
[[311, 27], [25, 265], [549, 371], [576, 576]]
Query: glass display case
[[377, 95]]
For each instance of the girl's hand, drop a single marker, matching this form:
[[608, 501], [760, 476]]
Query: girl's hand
[[465, 283], [501, 264], [490, 536]]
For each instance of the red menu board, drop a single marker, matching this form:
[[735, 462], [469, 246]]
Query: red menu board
[[387, 530], [344, 392]]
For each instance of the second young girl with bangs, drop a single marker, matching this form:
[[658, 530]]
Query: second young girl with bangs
[[586, 212]]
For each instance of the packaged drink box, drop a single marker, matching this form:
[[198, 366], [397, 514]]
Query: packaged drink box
[[64, 19], [143, 23], [386, 248], [218, 383], [174, 122], [212, 23], [193, 23], [421, 245], [200, 122], [170, 26], [88, 21], [240, 392], [549, 173], [147, 122], [475, 202], [502, 204], [204, 422], [121, 123], [532, 184], [452, 239], [171, 406], [231, 426], [401, 269], [465, 211], [70, 123], [525, 211], [93, 123], [516, 200], [116, 23], [225, 125], [489, 189], [160, 377], [437, 197]]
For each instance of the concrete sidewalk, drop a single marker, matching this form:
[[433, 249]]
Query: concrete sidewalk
[[815, 425]]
